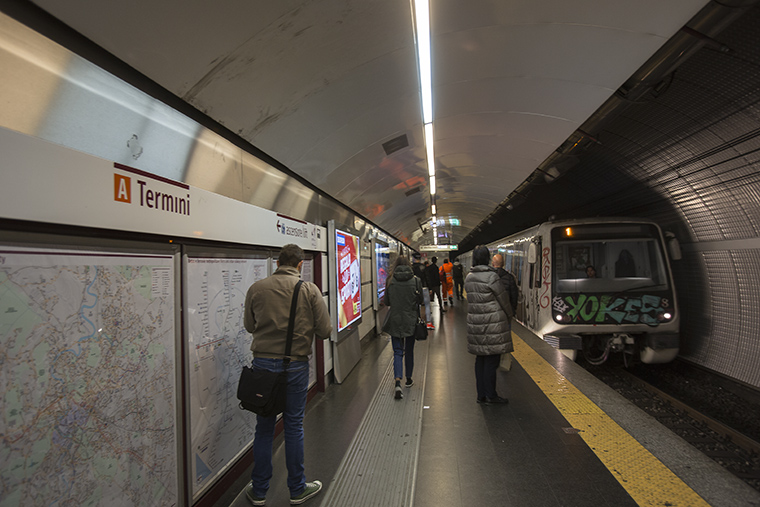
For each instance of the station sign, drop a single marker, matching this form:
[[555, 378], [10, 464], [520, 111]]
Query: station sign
[[45, 182], [438, 248]]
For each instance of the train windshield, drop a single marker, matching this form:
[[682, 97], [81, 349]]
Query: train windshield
[[608, 258]]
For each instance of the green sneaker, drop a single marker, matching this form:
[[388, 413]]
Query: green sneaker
[[312, 488], [255, 500]]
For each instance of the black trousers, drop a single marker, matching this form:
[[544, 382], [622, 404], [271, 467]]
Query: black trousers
[[458, 286], [485, 375], [437, 290]]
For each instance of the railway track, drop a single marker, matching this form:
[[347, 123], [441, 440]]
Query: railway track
[[736, 452]]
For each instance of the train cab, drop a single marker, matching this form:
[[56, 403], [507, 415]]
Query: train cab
[[599, 286]]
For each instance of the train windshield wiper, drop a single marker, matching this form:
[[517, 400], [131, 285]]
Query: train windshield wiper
[[640, 287]]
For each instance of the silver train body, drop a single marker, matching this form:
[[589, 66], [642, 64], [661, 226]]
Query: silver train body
[[596, 286]]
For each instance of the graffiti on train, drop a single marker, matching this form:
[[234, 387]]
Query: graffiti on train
[[546, 272], [609, 309]]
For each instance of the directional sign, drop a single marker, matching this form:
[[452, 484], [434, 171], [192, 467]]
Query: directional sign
[[438, 248]]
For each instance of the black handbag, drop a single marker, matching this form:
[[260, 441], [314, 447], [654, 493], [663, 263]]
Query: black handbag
[[420, 330], [264, 392]]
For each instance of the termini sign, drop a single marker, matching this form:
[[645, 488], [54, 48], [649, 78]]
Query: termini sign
[[163, 199], [49, 183]]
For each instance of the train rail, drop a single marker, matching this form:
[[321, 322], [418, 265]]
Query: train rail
[[732, 449]]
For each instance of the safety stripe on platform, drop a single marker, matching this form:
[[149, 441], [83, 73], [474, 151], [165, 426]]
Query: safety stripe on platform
[[380, 465], [644, 477]]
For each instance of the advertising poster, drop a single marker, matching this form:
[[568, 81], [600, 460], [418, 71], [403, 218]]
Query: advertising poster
[[349, 279], [383, 256]]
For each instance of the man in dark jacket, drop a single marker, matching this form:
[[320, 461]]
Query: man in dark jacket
[[458, 275], [507, 279], [433, 279]]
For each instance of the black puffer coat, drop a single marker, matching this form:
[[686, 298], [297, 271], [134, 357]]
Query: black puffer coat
[[488, 327], [403, 294]]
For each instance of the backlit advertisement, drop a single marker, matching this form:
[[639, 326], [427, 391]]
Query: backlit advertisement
[[349, 279], [383, 257]]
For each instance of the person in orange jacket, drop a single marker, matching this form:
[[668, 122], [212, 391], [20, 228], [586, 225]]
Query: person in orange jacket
[[447, 280]]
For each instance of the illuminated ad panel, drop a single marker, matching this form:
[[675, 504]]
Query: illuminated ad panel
[[383, 256], [349, 279]]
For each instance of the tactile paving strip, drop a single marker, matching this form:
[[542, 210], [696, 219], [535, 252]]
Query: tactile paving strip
[[380, 466], [644, 477]]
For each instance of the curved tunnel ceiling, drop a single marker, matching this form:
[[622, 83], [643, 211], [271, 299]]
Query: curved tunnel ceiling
[[320, 86], [684, 153]]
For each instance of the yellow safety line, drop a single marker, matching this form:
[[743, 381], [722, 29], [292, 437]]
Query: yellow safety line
[[646, 479]]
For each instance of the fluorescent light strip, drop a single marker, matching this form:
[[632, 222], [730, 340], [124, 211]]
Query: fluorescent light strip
[[429, 146], [422, 17], [422, 29]]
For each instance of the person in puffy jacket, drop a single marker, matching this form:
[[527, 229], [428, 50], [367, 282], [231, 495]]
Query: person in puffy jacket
[[403, 294], [489, 333]]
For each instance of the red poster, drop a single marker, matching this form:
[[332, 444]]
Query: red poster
[[349, 279]]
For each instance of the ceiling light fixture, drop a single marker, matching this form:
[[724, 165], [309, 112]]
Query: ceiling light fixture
[[422, 31], [429, 148]]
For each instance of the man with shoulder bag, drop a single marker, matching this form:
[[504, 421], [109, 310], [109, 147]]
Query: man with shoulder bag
[[267, 315]]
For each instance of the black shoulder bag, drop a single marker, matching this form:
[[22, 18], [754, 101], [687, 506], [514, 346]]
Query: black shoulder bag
[[264, 392]]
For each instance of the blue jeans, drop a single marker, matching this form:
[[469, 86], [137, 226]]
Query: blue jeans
[[403, 347], [426, 298], [485, 375], [298, 385]]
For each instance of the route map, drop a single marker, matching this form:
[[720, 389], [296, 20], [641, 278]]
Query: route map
[[219, 347], [87, 379]]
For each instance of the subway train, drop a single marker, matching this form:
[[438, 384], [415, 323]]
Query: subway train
[[596, 285]]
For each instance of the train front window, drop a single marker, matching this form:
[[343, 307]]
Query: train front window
[[595, 260]]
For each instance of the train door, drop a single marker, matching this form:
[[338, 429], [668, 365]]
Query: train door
[[533, 284], [519, 270]]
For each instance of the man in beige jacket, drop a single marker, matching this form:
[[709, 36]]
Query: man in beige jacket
[[267, 310]]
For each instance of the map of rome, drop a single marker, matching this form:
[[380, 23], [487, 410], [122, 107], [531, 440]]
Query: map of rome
[[87, 379]]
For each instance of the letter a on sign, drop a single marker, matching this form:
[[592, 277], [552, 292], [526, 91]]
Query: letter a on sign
[[122, 188]]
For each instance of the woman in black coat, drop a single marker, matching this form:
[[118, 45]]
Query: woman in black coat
[[489, 333], [403, 293]]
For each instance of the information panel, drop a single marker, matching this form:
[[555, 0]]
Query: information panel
[[87, 387], [218, 348], [349, 279]]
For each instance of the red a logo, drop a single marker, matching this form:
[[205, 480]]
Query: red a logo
[[122, 188]]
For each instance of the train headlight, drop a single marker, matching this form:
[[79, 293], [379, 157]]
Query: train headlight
[[559, 317], [662, 317]]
